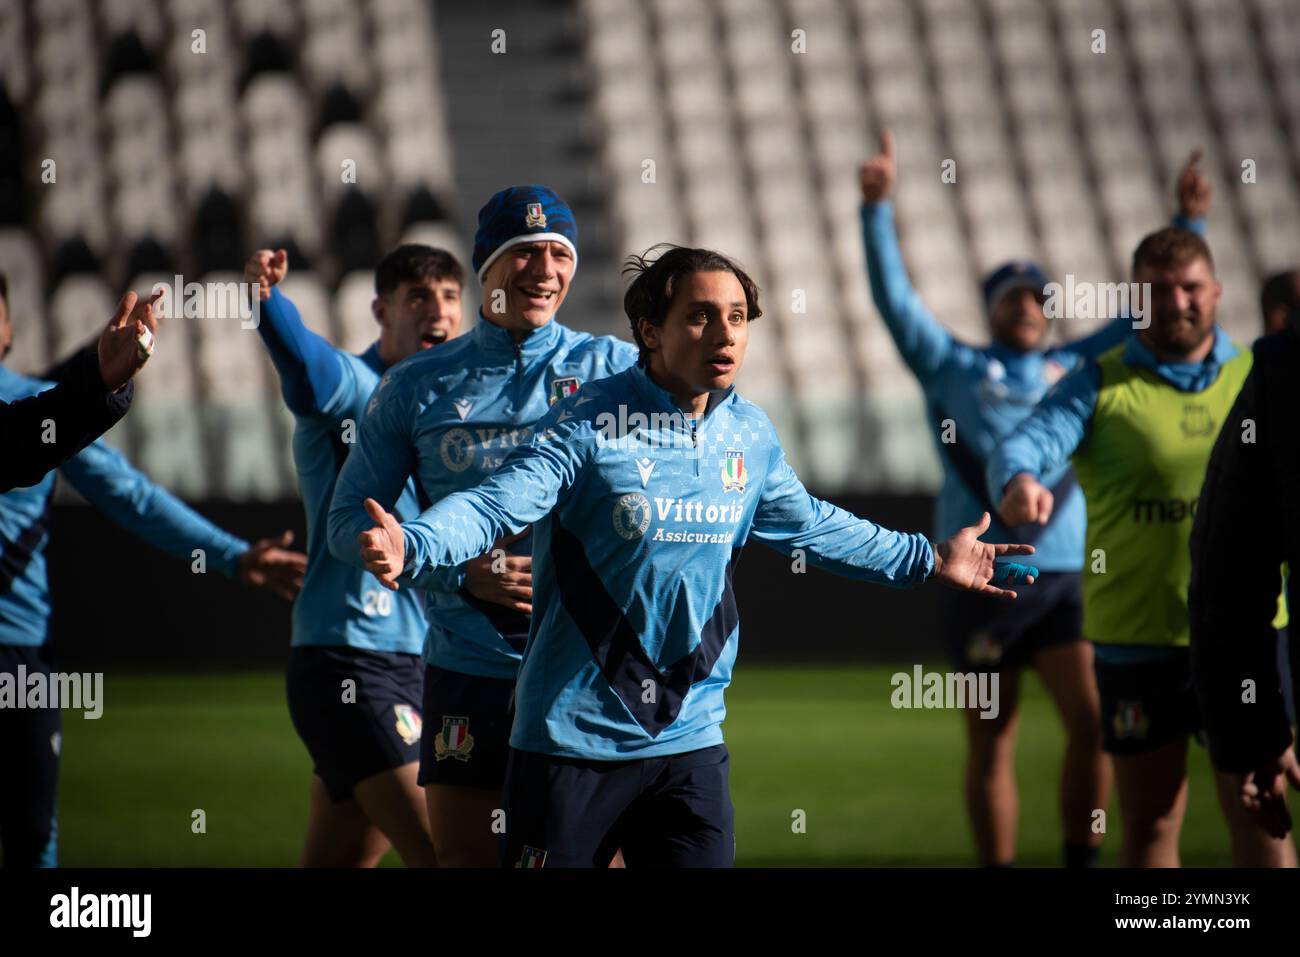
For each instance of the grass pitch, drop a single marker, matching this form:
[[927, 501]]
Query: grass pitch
[[877, 786]]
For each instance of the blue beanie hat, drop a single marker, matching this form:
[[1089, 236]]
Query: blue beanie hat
[[1018, 274], [522, 214]]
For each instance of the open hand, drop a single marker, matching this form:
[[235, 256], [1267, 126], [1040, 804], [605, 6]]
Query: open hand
[[963, 561], [383, 548], [269, 564], [503, 579]]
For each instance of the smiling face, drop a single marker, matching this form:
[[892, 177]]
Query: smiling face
[[417, 315], [1018, 321], [700, 346], [1181, 308], [526, 284]]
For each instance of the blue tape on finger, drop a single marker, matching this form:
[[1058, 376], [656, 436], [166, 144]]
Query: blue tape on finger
[[1010, 573]]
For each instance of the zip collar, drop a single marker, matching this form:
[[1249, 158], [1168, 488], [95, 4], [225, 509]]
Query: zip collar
[[496, 342], [657, 395], [372, 358]]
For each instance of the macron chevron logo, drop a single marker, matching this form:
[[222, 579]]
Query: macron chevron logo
[[462, 407], [564, 416], [646, 468], [583, 399]]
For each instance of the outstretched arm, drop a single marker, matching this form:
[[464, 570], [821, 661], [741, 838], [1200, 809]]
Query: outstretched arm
[[309, 367], [1041, 444], [42, 431], [924, 344], [80, 409], [788, 518], [464, 525], [131, 500]]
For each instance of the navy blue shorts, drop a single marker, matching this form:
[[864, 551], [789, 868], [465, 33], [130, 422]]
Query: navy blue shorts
[[469, 729], [355, 731], [986, 634], [30, 741], [1146, 705], [673, 811]]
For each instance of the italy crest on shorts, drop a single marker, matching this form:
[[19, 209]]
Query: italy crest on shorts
[[535, 218], [1130, 721], [408, 724], [734, 475], [562, 388], [983, 650], [532, 858], [454, 740]]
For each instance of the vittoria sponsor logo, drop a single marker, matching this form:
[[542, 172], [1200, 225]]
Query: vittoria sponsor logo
[[459, 446], [633, 514], [681, 512]]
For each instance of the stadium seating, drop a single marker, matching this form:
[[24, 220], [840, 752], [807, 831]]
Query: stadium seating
[[1061, 158], [172, 148]]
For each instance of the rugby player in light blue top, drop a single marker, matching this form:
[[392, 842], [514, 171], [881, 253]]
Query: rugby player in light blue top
[[644, 487], [31, 737], [450, 417], [975, 395], [364, 746]]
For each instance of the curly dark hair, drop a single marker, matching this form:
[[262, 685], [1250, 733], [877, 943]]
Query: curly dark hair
[[656, 273]]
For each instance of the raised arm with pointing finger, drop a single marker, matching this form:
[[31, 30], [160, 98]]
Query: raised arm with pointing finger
[[44, 430]]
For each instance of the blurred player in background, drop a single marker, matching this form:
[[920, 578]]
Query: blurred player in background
[[347, 628], [986, 391], [617, 739], [1247, 523], [1279, 299], [97, 393], [1139, 422], [449, 418], [30, 738]]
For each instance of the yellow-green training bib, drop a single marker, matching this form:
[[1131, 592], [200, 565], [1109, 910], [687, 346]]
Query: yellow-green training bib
[[1141, 468]]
